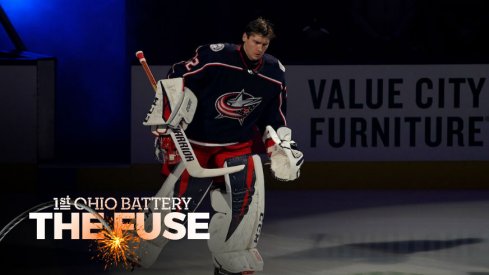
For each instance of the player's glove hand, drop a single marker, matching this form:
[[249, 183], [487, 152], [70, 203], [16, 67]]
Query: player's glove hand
[[285, 159], [165, 150]]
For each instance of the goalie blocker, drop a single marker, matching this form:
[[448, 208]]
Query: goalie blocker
[[174, 105]]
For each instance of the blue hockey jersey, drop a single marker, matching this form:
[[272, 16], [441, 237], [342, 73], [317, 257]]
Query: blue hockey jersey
[[234, 96]]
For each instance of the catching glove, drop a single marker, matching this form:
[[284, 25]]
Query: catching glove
[[286, 160]]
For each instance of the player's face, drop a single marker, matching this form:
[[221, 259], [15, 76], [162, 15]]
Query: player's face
[[255, 45]]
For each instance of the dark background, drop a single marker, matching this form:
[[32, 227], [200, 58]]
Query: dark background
[[94, 43], [354, 32]]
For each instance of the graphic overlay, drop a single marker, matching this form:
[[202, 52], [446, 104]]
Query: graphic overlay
[[117, 247], [116, 225]]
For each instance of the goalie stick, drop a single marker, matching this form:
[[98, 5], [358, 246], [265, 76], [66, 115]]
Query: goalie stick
[[149, 250]]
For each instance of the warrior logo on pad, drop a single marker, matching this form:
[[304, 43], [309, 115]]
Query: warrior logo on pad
[[236, 105]]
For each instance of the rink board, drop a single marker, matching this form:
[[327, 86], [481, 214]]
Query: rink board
[[368, 112]]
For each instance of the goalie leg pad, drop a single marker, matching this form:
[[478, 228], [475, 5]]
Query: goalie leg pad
[[148, 250], [236, 226], [190, 187], [174, 186]]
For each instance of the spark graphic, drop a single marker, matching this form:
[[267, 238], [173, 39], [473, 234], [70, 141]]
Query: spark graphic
[[118, 247]]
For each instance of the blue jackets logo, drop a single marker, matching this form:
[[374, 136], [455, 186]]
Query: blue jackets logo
[[236, 105]]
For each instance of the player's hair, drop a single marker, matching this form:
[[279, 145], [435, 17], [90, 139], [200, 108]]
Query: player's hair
[[260, 26]]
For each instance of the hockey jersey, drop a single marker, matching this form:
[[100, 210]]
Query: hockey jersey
[[234, 97]]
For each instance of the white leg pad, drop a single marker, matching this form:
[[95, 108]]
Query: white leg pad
[[237, 252], [238, 261], [149, 250]]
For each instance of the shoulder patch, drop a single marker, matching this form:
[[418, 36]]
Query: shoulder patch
[[281, 66], [217, 47]]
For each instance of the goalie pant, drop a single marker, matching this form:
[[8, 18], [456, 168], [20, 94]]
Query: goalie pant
[[238, 202]]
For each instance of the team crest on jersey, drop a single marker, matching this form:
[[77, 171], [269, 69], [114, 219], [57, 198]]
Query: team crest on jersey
[[217, 47], [236, 105]]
